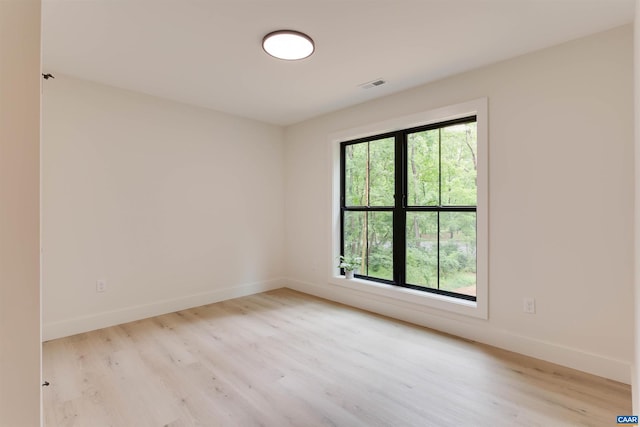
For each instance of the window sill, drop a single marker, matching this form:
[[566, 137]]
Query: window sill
[[426, 299]]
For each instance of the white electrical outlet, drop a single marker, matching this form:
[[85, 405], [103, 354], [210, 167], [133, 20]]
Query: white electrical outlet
[[101, 285], [529, 305]]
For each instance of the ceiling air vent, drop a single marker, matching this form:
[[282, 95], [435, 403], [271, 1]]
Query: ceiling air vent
[[373, 83]]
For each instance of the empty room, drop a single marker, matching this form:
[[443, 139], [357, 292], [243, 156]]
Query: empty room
[[421, 215]]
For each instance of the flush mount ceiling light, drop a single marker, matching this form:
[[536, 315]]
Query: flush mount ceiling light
[[288, 44]]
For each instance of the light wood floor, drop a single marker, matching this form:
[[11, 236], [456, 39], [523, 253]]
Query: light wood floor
[[283, 358]]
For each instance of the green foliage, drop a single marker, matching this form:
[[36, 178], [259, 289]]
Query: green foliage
[[441, 171], [422, 267], [348, 263], [369, 173], [453, 181]]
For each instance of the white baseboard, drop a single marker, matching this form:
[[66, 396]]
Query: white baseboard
[[617, 370], [92, 322], [603, 366]]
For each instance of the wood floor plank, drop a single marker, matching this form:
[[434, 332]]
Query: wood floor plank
[[283, 358]]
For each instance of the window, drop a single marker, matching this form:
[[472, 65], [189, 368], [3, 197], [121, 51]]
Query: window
[[408, 207]]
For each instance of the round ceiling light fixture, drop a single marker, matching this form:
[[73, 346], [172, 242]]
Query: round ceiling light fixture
[[288, 44]]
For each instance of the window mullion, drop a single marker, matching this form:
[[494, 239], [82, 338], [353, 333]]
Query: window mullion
[[343, 192], [439, 203], [438, 250], [399, 208], [399, 216]]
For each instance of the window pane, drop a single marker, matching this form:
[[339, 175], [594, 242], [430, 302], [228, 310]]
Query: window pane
[[422, 168], [354, 231], [369, 236], [422, 249], [355, 174], [458, 252], [380, 256], [381, 171], [458, 156], [438, 173]]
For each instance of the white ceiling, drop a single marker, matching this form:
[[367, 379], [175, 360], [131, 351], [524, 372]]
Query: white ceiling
[[208, 52]]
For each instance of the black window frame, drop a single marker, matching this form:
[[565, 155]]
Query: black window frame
[[401, 208]]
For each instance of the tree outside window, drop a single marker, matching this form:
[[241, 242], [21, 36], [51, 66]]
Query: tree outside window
[[408, 207]]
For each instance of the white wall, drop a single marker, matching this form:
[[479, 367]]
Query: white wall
[[636, 75], [560, 202], [19, 213], [175, 206]]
